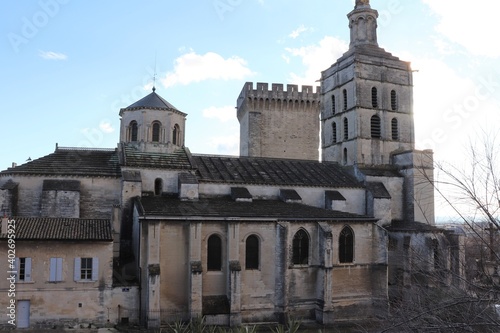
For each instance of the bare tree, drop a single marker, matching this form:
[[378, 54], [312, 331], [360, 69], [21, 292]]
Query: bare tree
[[432, 304]]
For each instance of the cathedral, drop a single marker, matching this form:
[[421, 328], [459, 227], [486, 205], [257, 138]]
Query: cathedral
[[150, 233]]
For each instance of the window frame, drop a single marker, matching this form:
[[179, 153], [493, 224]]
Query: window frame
[[23, 269], [155, 131], [214, 253], [252, 252], [300, 248], [92, 272], [134, 131], [346, 245]]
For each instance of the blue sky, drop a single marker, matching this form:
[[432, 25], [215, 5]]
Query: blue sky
[[68, 66]]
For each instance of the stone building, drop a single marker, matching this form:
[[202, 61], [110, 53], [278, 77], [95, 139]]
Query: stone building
[[270, 234]]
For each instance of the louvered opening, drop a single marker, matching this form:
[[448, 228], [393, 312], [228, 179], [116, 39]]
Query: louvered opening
[[344, 92], [334, 132], [394, 100], [346, 129], [333, 104], [374, 97], [375, 127], [395, 129]]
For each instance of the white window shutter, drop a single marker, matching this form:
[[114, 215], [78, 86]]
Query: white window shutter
[[59, 262], [53, 268], [77, 272], [95, 269], [27, 269]]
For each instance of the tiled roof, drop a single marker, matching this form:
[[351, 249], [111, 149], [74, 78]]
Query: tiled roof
[[152, 101], [176, 160], [271, 171], [58, 228], [72, 162], [225, 207]]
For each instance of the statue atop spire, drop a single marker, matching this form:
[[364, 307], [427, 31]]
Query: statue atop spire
[[362, 3]]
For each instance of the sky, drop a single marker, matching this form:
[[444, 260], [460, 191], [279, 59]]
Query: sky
[[68, 66]]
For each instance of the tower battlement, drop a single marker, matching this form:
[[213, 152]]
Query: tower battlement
[[292, 92]]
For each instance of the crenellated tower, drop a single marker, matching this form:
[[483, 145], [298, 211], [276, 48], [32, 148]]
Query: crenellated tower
[[367, 98], [279, 123]]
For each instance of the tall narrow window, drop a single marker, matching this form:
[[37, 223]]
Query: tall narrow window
[[300, 255], [345, 156], [158, 186], [214, 253], [156, 132], [375, 127], [176, 135], [344, 92], [23, 268], [133, 131], [333, 104], [346, 129], [346, 245], [374, 97], [252, 252], [395, 129], [394, 100], [334, 132]]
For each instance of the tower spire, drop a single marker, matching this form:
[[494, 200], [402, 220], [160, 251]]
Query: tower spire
[[363, 24]]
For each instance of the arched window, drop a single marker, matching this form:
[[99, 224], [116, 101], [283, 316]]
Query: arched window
[[346, 129], [133, 131], [346, 245], [252, 252], [394, 100], [374, 97], [176, 133], [300, 248], [375, 127], [345, 156], [395, 129], [214, 253], [334, 132], [158, 186], [156, 132], [333, 104], [344, 92]]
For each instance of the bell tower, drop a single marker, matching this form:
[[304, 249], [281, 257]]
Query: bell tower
[[366, 98], [152, 125]]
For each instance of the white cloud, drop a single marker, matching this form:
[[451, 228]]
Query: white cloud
[[473, 25], [192, 67], [106, 127], [225, 145], [296, 33], [317, 58], [49, 55], [224, 114]]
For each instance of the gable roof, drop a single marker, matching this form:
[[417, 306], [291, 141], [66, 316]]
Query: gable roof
[[225, 207], [271, 171], [72, 162], [59, 228]]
